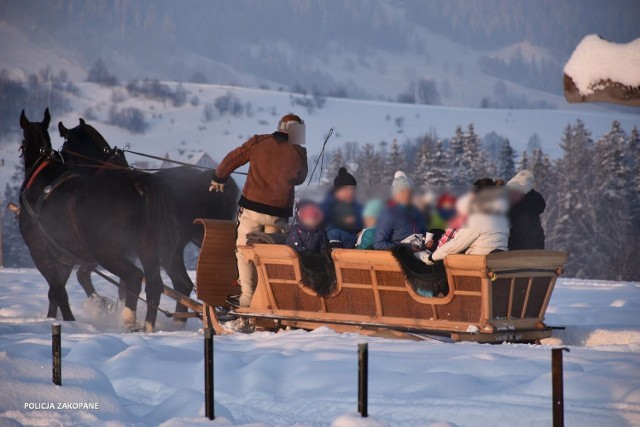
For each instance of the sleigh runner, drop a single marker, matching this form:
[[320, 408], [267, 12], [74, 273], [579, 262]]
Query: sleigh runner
[[493, 298]]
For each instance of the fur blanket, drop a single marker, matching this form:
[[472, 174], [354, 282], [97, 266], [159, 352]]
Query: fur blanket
[[256, 237], [318, 272], [423, 278]]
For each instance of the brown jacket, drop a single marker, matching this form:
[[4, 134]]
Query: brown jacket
[[275, 168]]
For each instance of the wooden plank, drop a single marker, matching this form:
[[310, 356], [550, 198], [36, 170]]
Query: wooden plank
[[182, 299], [526, 298], [512, 286]]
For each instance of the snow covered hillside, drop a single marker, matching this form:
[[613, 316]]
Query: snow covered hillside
[[309, 378], [179, 131]]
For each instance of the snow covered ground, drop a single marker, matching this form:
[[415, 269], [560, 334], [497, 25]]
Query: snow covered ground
[[309, 378]]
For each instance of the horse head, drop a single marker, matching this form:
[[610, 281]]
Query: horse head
[[85, 146], [36, 143]]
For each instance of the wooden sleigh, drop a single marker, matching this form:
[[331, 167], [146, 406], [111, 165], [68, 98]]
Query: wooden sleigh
[[493, 298]]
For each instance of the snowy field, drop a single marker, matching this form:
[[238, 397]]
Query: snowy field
[[309, 378], [181, 132]]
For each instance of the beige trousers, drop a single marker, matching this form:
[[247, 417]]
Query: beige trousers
[[247, 222]]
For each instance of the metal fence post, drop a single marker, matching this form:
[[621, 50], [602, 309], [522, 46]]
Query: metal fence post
[[208, 373], [557, 386], [363, 379], [56, 353]]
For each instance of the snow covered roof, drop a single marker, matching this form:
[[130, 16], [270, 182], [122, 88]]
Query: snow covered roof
[[602, 71]]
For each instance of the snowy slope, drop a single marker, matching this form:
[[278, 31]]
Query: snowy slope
[[174, 128], [309, 379]]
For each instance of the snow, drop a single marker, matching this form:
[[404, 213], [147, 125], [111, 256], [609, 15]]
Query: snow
[[596, 60], [309, 378]]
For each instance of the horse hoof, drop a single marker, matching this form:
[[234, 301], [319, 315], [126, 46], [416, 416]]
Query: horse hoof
[[136, 327], [148, 327], [128, 318]]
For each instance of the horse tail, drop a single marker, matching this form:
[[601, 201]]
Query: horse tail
[[161, 227]]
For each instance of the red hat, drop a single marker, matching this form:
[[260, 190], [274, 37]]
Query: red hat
[[446, 198]]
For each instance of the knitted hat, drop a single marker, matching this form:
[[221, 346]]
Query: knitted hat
[[400, 182], [522, 182], [344, 178], [446, 198], [373, 208]]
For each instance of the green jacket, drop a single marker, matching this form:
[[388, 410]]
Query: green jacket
[[366, 238]]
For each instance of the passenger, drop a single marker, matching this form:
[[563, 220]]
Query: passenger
[[277, 163], [400, 219], [342, 211], [526, 207], [425, 203], [486, 229], [483, 183], [445, 211], [463, 206], [370, 216], [307, 234]]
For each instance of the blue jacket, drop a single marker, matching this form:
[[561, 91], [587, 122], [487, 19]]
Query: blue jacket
[[335, 213], [396, 223]]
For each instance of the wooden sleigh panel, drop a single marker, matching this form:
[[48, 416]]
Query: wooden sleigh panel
[[499, 297], [217, 270]]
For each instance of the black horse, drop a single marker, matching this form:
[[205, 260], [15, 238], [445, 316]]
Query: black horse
[[67, 219], [86, 151]]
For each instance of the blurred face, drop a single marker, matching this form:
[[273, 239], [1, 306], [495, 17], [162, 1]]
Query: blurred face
[[448, 205], [369, 222], [403, 197], [346, 193], [311, 216], [515, 196]]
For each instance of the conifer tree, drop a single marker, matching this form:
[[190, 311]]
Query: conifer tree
[[369, 166], [572, 221], [456, 151], [14, 250], [633, 149], [611, 202], [395, 162], [337, 161], [524, 161], [506, 165]]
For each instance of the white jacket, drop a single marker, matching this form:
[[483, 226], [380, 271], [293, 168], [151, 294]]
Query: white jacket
[[484, 232]]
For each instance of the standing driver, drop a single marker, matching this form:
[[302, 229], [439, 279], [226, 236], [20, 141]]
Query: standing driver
[[277, 163]]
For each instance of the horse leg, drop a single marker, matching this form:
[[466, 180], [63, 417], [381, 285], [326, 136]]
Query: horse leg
[[132, 278], [54, 274], [64, 271], [84, 278], [53, 305], [153, 286], [180, 279], [122, 291]]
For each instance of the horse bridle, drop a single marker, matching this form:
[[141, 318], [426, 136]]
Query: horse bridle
[[106, 161], [45, 155]]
